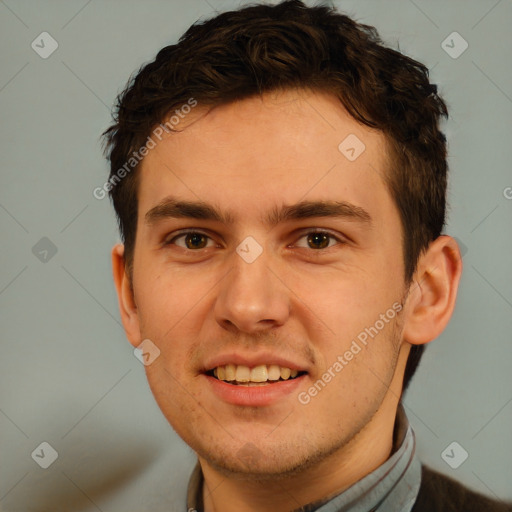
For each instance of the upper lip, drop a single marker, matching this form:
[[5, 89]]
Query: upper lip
[[252, 360]]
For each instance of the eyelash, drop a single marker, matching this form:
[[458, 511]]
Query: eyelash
[[304, 234]]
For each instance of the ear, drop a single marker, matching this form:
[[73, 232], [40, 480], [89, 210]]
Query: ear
[[125, 297], [433, 291]]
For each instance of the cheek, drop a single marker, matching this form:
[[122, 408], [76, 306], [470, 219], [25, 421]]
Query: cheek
[[343, 301], [161, 312], [174, 399], [165, 296], [353, 316]]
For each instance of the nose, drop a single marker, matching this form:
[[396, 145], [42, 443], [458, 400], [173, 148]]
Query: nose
[[252, 298]]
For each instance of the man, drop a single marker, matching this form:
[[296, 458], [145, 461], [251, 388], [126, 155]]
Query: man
[[279, 178]]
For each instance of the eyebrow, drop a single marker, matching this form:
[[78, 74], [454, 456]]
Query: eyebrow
[[173, 208]]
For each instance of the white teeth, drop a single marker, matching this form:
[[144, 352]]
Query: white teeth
[[258, 375], [274, 372], [230, 371], [243, 373], [285, 373], [221, 373]]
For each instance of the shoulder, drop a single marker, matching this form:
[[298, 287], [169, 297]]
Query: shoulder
[[440, 493]]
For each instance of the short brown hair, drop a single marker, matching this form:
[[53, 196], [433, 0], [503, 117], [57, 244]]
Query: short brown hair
[[263, 48]]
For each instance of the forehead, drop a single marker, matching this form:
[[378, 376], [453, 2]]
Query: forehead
[[262, 152]]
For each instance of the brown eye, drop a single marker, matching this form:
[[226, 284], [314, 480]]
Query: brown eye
[[192, 240], [319, 240], [195, 241]]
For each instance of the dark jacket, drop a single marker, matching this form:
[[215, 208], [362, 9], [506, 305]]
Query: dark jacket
[[440, 493]]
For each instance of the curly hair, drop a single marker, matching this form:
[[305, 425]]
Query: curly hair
[[263, 48]]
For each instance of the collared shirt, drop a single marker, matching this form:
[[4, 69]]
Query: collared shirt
[[392, 487]]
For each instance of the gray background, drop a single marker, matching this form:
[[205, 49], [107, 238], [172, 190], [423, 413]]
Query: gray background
[[67, 374]]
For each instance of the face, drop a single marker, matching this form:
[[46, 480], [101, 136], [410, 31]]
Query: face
[[260, 294]]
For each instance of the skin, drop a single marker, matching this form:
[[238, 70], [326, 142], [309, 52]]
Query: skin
[[296, 300]]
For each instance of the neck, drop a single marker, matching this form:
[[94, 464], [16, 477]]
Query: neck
[[369, 449]]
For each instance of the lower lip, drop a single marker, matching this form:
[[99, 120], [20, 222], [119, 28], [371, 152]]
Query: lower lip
[[253, 396]]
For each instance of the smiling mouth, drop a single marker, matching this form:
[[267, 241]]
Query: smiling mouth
[[261, 375]]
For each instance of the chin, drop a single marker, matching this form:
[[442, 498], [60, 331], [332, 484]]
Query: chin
[[260, 471], [266, 464]]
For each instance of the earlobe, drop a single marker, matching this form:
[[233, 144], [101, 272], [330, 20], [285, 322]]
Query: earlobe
[[433, 291], [125, 297]]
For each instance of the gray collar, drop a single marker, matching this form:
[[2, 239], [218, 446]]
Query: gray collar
[[392, 487]]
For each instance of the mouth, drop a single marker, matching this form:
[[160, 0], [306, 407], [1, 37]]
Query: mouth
[[261, 375]]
